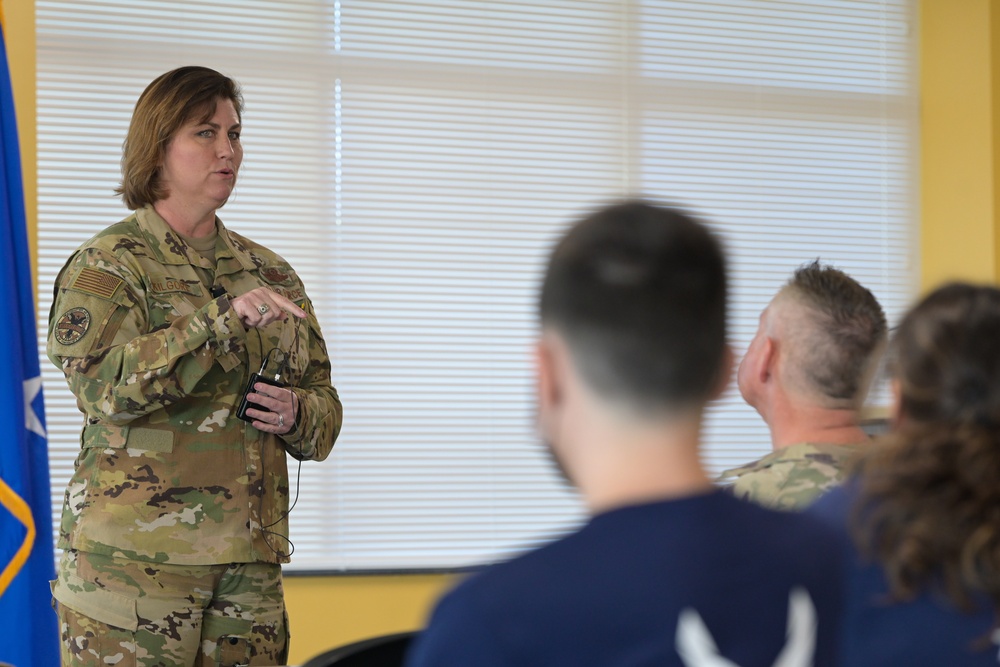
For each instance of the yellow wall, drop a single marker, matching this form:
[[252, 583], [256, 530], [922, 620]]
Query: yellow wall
[[960, 109], [19, 33], [329, 611], [960, 238], [995, 134]]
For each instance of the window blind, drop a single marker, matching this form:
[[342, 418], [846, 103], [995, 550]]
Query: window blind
[[416, 160]]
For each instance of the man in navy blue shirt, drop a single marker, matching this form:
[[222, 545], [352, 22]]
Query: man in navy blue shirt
[[669, 570]]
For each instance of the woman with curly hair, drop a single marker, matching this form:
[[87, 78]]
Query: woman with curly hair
[[923, 510]]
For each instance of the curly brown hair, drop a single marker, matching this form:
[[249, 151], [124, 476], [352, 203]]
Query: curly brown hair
[[929, 493]]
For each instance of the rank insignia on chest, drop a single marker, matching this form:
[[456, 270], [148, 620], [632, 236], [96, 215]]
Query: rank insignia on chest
[[274, 274], [72, 326]]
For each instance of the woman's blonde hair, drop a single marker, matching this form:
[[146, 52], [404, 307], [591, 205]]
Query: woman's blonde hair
[[170, 101]]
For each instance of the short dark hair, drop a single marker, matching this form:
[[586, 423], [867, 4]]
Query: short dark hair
[[638, 291], [848, 333], [167, 103]]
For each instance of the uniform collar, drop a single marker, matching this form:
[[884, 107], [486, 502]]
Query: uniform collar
[[801, 451], [170, 249]]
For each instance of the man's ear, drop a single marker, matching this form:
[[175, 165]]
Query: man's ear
[[767, 360], [543, 371], [547, 383]]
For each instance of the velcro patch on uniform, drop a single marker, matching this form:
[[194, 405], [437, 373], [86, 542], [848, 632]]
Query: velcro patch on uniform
[[97, 283], [72, 326]]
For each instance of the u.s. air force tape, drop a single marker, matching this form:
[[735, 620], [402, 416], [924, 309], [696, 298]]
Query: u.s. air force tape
[[98, 283]]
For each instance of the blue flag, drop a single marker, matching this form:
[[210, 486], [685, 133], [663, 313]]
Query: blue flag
[[28, 634]]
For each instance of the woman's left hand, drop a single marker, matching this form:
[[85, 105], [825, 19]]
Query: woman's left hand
[[282, 408]]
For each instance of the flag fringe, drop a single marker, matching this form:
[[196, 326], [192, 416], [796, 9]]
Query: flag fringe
[[16, 506]]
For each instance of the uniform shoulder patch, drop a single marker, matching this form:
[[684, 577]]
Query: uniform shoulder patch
[[72, 326], [98, 283]]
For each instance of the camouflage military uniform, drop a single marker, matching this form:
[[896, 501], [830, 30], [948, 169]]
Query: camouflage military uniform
[[791, 477], [122, 612], [166, 473]]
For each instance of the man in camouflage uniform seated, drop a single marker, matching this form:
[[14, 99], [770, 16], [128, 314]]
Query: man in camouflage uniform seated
[[807, 372]]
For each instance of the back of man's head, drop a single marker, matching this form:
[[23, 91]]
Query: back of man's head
[[638, 292], [839, 330]]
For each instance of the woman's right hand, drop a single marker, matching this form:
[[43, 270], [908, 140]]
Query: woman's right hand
[[262, 306]]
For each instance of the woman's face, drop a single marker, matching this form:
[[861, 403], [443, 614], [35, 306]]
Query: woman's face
[[201, 162]]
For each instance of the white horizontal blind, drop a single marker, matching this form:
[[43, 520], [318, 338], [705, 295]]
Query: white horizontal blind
[[415, 161]]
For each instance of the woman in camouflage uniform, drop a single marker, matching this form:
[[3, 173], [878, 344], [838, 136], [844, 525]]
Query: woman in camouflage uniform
[[175, 520]]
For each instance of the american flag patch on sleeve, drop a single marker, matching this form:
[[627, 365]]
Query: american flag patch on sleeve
[[97, 283]]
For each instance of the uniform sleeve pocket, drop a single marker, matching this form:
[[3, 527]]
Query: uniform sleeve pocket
[[105, 436], [101, 605]]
